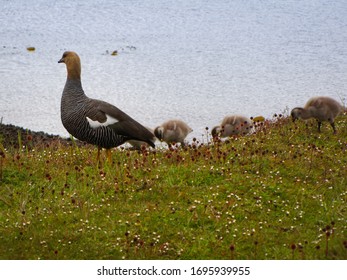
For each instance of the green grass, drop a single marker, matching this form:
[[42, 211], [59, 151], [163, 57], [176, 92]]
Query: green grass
[[278, 194]]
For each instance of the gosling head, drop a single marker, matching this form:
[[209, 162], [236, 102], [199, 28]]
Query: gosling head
[[296, 113], [159, 132], [216, 131]]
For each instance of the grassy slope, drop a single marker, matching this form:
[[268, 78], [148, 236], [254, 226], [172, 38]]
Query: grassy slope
[[279, 194]]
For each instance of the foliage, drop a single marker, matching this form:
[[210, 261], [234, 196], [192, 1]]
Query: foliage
[[277, 194]]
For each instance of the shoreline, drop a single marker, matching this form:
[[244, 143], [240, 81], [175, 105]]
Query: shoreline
[[14, 136]]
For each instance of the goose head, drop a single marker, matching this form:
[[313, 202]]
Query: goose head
[[73, 64]]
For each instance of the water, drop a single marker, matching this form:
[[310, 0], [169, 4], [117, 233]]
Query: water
[[190, 59]]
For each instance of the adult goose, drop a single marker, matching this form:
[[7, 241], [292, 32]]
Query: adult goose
[[94, 121]]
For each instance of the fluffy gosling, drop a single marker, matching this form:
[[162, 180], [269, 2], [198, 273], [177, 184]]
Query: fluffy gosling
[[233, 125], [321, 108], [172, 131]]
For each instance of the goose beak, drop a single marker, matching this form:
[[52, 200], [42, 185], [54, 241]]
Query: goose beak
[[61, 60]]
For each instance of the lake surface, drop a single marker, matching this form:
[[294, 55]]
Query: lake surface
[[193, 60]]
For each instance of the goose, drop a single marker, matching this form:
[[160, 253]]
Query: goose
[[233, 125], [322, 108], [172, 131], [95, 121]]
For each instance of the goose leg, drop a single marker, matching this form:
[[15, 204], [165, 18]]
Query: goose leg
[[333, 126], [98, 156], [319, 125], [108, 155]]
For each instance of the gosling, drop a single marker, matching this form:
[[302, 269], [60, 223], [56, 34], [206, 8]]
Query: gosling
[[233, 125], [321, 108], [173, 131], [139, 145]]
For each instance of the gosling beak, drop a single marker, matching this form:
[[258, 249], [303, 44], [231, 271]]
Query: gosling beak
[[61, 60]]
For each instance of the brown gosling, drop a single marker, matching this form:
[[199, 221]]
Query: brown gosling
[[233, 125], [321, 108], [172, 131]]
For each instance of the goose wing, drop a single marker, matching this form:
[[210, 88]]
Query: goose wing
[[103, 114]]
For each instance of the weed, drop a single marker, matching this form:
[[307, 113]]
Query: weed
[[249, 197]]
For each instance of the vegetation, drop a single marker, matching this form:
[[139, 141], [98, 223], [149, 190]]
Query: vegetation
[[277, 194]]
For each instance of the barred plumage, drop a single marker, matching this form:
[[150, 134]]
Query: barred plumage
[[95, 121]]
